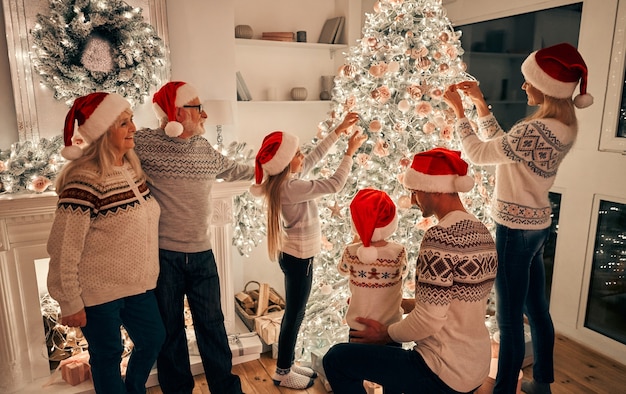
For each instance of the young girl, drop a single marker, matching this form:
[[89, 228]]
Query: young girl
[[293, 227], [375, 267]]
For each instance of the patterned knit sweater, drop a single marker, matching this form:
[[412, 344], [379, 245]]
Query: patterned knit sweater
[[456, 268], [527, 159], [302, 236], [103, 244], [376, 288], [182, 173]]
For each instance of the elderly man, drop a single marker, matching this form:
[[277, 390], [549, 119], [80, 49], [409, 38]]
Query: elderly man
[[183, 166]]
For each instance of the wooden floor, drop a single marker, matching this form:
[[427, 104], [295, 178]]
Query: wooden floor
[[578, 370]]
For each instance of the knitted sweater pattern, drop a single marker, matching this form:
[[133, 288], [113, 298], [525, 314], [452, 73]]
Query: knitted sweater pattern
[[526, 158], [375, 288], [182, 173], [302, 236], [456, 269], [103, 244]]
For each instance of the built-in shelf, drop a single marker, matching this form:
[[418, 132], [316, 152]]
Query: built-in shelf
[[500, 55], [332, 48], [285, 102], [289, 44]]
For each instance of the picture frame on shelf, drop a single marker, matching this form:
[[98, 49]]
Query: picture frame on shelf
[[331, 32], [243, 94]]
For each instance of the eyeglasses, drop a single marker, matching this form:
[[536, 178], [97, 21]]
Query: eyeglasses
[[198, 107]]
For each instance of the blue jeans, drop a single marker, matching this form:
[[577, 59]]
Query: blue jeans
[[520, 289], [194, 275], [140, 317], [398, 370], [298, 282]]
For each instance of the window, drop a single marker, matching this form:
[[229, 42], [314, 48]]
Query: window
[[614, 121], [606, 300]]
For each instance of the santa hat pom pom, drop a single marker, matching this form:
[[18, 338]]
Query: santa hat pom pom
[[583, 100], [173, 129], [71, 152], [463, 184], [368, 254], [256, 190]]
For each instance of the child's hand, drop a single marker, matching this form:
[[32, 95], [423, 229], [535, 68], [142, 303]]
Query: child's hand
[[356, 140], [349, 121]]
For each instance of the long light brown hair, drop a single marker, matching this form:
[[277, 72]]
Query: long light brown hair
[[99, 154], [272, 192], [562, 110]]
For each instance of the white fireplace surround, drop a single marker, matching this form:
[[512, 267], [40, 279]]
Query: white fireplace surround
[[25, 222]]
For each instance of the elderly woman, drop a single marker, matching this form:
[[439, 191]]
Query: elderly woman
[[103, 245]]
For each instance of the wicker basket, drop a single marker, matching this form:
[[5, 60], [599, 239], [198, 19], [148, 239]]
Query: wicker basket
[[248, 312]]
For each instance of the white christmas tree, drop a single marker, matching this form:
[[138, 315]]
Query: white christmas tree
[[394, 78]]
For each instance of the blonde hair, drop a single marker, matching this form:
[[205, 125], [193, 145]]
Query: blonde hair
[[562, 110], [100, 156], [271, 188]]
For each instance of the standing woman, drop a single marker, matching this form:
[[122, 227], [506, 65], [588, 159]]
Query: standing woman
[[103, 245], [527, 159], [293, 228]]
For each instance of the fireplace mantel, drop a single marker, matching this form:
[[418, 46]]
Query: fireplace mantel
[[25, 222]]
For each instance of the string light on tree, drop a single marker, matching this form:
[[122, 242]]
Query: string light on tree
[[31, 166]]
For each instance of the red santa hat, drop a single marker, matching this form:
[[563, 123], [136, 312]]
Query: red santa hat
[[171, 96], [374, 219], [276, 152], [438, 170], [556, 71], [94, 113]]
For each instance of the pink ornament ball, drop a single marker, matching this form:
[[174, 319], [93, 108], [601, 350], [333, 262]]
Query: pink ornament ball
[[375, 126], [404, 106]]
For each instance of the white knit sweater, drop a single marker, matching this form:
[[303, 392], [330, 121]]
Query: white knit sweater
[[527, 159], [375, 288], [103, 244], [455, 271]]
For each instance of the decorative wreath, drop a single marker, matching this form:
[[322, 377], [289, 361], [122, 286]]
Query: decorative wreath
[[84, 46]]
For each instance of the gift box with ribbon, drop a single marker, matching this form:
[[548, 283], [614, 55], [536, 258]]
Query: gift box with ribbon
[[245, 347], [268, 324], [76, 369]]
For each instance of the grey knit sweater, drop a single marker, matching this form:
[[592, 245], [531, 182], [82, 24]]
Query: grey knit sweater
[[182, 173], [300, 216]]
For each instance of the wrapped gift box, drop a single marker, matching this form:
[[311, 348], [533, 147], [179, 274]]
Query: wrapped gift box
[[268, 326], [316, 360], [75, 372], [245, 347]]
